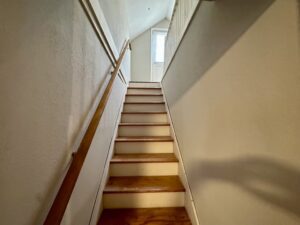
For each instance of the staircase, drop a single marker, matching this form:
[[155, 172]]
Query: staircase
[[144, 187]]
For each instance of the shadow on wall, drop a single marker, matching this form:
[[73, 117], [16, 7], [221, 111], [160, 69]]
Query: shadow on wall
[[281, 183], [216, 27]]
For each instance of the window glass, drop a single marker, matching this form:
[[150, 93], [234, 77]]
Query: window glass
[[159, 46]]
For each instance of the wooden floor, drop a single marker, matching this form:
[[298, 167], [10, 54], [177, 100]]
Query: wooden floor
[[152, 216]]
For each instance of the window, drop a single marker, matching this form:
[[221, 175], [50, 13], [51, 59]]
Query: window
[[159, 38]]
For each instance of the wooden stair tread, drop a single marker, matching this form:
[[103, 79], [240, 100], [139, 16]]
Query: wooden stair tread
[[143, 184], [158, 112], [146, 88], [154, 82], [149, 102], [144, 139], [144, 124], [150, 216], [144, 158], [138, 95]]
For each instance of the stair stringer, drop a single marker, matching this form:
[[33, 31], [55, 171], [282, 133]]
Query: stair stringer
[[189, 201], [98, 206]]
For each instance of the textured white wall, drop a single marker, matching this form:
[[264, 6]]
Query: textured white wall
[[52, 67], [234, 96], [141, 54], [116, 16]]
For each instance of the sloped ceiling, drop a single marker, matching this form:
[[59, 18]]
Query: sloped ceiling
[[143, 14]]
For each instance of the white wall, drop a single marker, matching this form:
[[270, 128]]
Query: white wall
[[234, 94], [183, 12], [141, 54], [52, 69], [116, 16]]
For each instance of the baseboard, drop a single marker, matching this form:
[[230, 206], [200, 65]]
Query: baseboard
[[189, 202], [99, 201]]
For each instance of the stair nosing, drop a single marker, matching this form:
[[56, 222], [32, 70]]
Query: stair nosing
[[144, 103], [157, 112], [134, 82], [170, 215], [143, 188], [117, 158], [144, 124], [145, 88], [142, 162], [143, 95], [144, 139]]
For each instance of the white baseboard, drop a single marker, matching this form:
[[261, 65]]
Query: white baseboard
[[189, 202], [99, 201]]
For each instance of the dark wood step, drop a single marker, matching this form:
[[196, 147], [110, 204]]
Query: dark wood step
[[144, 158], [144, 103], [163, 112], [152, 216], [144, 139], [143, 184], [144, 124]]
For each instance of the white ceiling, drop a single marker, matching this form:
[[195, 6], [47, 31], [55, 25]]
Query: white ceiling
[[143, 14]]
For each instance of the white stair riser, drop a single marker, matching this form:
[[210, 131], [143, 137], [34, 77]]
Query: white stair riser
[[144, 98], [144, 131], [144, 169], [144, 91], [144, 200], [144, 108], [146, 84], [144, 118], [144, 147]]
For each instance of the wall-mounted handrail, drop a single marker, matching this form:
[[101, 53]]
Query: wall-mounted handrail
[[63, 196]]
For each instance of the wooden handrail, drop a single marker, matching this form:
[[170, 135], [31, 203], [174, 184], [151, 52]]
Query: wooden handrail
[[63, 196]]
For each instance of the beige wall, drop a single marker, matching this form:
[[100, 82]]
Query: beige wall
[[182, 14], [234, 94], [116, 16], [141, 54], [116, 30], [52, 70]]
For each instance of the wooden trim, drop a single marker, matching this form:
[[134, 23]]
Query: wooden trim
[[92, 17], [63, 196]]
